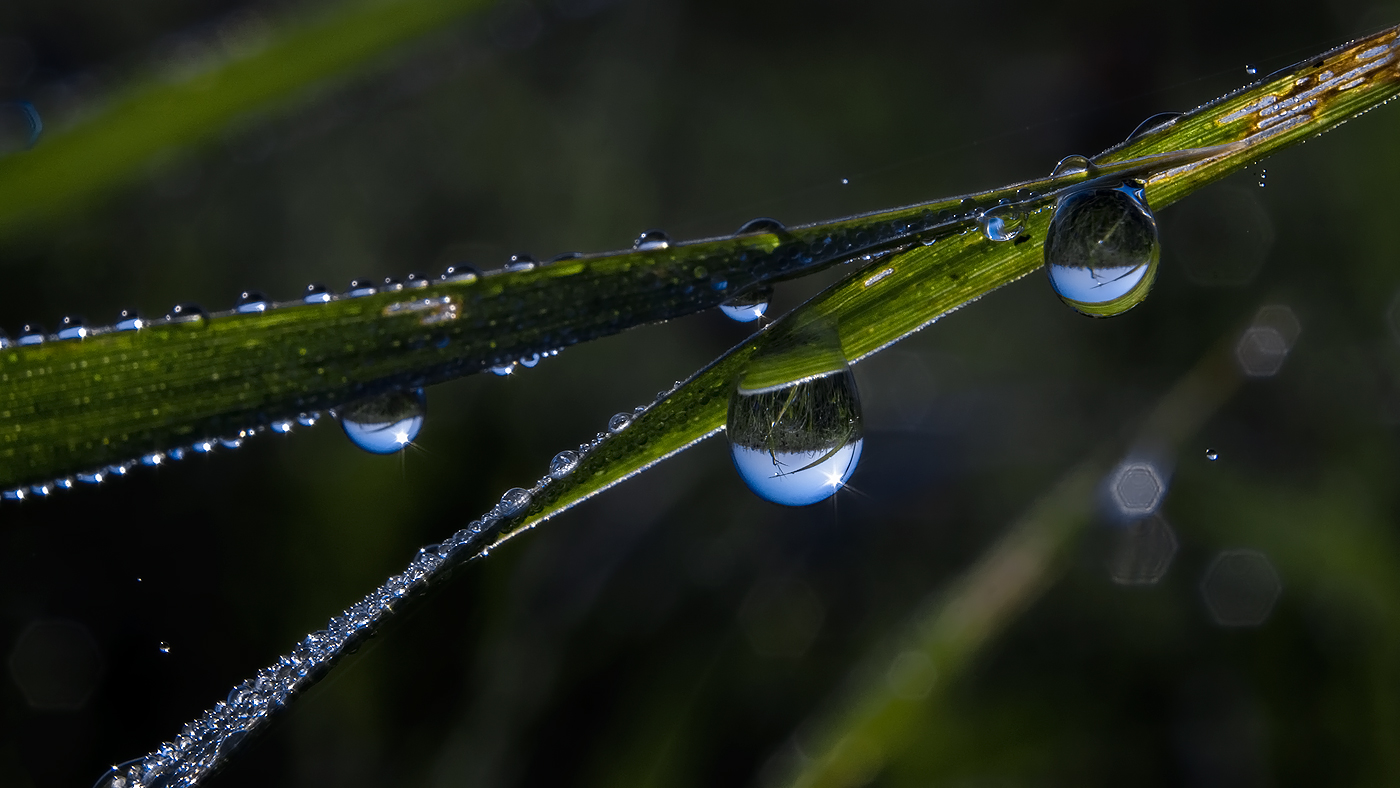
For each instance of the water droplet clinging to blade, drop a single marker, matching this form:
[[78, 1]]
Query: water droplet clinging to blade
[[749, 306], [799, 444], [651, 239], [1101, 249], [387, 423]]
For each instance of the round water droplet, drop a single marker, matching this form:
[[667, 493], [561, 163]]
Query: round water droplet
[[1101, 249], [251, 301], [186, 313], [1002, 223], [31, 334], [1251, 69], [386, 423], [20, 126], [1073, 164], [1154, 122], [652, 239], [563, 464], [748, 306], [359, 288], [762, 225], [845, 181], [164, 647], [797, 445], [619, 422], [129, 320], [512, 502], [316, 293], [1212, 455], [71, 328], [520, 262]]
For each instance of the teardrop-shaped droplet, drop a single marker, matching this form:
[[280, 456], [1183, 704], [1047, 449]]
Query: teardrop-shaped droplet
[[799, 444], [129, 320], [1154, 122], [20, 126], [652, 239], [619, 422], [762, 224], [316, 293], [1073, 164], [72, 327], [748, 306], [520, 262], [251, 301], [563, 464], [386, 423], [513, 501], [31, 334], [186, 313], [1101, 249]]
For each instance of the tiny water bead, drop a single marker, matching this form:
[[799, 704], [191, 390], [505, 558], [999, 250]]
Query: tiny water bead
[[129, 320], [762, 224], [514, 500], [797, 445], [459, 272], [651, 239], [503, 369], [360, 288], [251, 301], [387, 423], [308, 419], [72, 328], [530, 361], [186, 313], [31, 334], [416, 279], [748, 306], [1251, 69], [390, 284], [1263, 174], [563, 464], [520, 262], [316, 293], [1212, 455], [1101, 249], [619, 422], [164, 647], [1002, 223]]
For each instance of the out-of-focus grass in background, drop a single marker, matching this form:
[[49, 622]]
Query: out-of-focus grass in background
[[677, 630]]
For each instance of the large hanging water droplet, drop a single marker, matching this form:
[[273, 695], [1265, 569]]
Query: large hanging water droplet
[[762, 225], [651, 239], [251, 301], [20, 126], [71, 327], [748, 306], [563, 464], [799, 444], [386, 423], [1101, 249]]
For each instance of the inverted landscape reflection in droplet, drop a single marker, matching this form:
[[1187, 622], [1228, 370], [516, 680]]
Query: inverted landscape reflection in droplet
[[1101, 249], [797, 445], [748, 307], [387, 423]]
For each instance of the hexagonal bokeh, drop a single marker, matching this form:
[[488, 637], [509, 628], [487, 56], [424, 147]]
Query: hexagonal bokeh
[[56, 665], [1144, 552], [1136, 489], [1240, 588], [1265, 345]]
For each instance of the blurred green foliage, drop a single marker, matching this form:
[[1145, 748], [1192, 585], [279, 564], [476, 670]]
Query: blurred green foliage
[[631, 640]]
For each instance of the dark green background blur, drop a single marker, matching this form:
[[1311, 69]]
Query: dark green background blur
[[677, 630]]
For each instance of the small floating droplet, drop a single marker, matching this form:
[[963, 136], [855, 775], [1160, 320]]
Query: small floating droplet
[[520, 262], [563, 464], [651, 239], [31, 334], [359, 288], [251, 301], [1263, 174], [1251, 69], [164, 647], [129, 320], [619, 422], [153, 459], [1101, 249], [748, 306], [797, 445], [513, 501], [71, 328], [93, 477], [386, 423], [203, 447], [316, 293], [1212, 455], [1073, 164], [186, 313], [762, 224]]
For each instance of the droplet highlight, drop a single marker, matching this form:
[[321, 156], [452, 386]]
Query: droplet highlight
[[1101, 249], [387, 423]]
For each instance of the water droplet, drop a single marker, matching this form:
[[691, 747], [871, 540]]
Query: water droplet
[[416, 279], [1263, 174], [20, 126], [186, 313], [530, 361], [129, 320], [281, 427], [64, 483], [71, 328], [390, 284], [1212, 455], [308, 419], [164, 647], [845, 181], [41, 490], [520, 262], [153, 459], [504, 369], [513, 501], [652, 239], [93, 477], [203, 447], [799, 444], [1153, 123], [619, 422], [251, 301], [762, 225], [1002, 223], [316, 293], [748, 306], [359, 288], [1251, 69], [458, 272], [1101, 249], [175, 454], [386, 423], [1073, 164], [31, 334], [4, 340], [565, 256], [563, 464]]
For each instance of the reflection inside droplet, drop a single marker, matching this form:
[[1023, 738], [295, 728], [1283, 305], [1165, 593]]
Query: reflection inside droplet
[[1101, 249], [749, 306], [387, 423], [797, 445]]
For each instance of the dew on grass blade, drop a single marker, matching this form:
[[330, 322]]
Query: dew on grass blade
[[1101, 249], [651, 239], [360, 288], [619, 422], [1002, 223], [72, 328], [129, 320], [1153, 123], [763, 224], [386, 423], [513, 501], [31, 334], [1071, 165], [748, 306], [520, 262], [316, 293], [563, 464], [1251, 69], [186, 313], [251, 301]]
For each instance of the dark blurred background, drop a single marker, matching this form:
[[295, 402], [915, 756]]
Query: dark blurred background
[[677, 630]]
